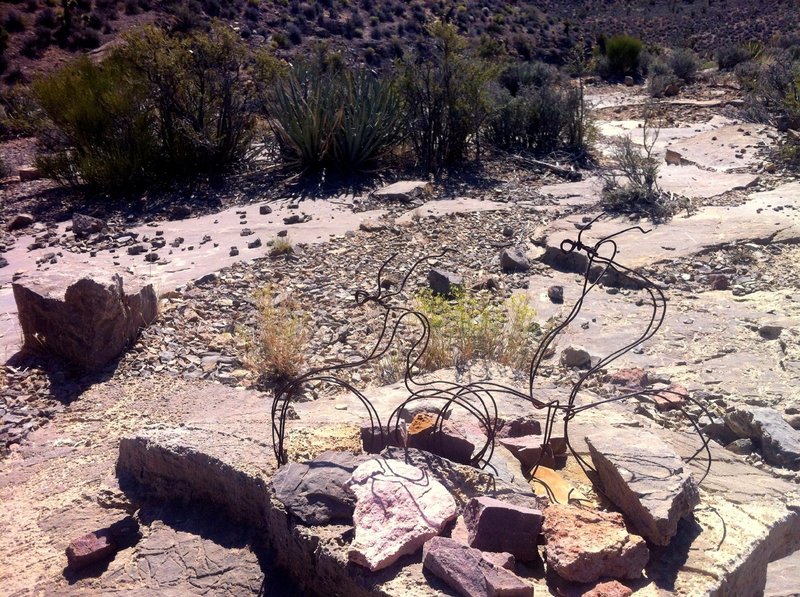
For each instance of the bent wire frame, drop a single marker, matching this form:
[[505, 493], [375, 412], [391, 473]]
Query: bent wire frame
[[480, 399]]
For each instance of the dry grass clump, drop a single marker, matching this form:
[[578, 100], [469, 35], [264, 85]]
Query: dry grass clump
[[277, 348], [282, 245]]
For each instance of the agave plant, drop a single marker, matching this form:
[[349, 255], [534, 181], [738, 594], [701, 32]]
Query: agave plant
[[371, 124], [342, 119], [306, 111]]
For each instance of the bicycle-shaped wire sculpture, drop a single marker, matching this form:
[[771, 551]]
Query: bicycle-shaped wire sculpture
[[480, 398]]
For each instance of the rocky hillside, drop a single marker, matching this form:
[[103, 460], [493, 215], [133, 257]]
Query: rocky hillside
[[41, 34]]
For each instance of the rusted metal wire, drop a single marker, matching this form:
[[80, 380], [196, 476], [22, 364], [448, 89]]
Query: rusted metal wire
[[480, 399]]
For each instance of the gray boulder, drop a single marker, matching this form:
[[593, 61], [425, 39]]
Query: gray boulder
[[316, 492], [83, 225], [88, 321], [646, 479], [779, 442], [443, 282], [514, 260]]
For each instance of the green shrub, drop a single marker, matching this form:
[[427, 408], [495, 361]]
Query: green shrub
[[446, 97], [622, 52], [773, 91], [661, 78], [156, 108], [730, 55], [684, 64], [106, 121], [334, 117], [470, 326]]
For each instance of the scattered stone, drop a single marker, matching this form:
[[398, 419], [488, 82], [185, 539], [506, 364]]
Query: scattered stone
[[372, 226], [444, 283], [233, 252], [446, 441], [508, 231], [629, 82], [493, 525], [743, 447], [573, 356], [3, 262], [20, 221], [646, 479], [264, 210], [670, 398], [151, 257], [524, 425], [254, 244], [316, 492], [420, 507], [629, 378], [245, 232], [486, 283], [612, 588], [405, 191], [83, 225], [719, 282], [770, 332], [587, 545], [556, 294], [469, 572], [180, 212], [29, 173], [296, 219], [779, 443], [136, 250], [514, 260], [673, 158], [89, 321], [89, 549], [530, 450]]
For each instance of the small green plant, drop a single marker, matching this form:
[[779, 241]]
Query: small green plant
[[731, 55], [622, 52], [470, 326], [277, 347]]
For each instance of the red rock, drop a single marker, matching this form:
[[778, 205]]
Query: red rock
[[468, 572], [587, 545], [673, 397], [91, 548], [719, 282], [493, 525], [630, 378], [612, 588], [447, 441], [20, 221]]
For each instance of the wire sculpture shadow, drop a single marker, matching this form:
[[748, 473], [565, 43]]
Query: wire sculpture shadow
[[480, 399]]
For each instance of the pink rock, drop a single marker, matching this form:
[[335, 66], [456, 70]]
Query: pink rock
[[612, 588], [525, 425], [630, 378], [446, 440], [673, 397], [586, 545], [467, 571], [90, 549], [528, 450], [398, 508], [494, 525]]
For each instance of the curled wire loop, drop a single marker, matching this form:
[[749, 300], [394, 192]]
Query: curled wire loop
[[480, 399]]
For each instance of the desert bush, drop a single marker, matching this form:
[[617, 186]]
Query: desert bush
[[684, 64], [280, 245], [622, 52], [660, 78], [200, 92], [105, 121], [630, 185], [277, 346], [471, 326], [333, 117], [13, 21], [773, 92], [730, 55], [446, 96], [158, 107]]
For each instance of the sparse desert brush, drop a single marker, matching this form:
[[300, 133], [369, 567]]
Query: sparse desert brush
[[471, 326], [281, 245], [622, 52], [277, 347]]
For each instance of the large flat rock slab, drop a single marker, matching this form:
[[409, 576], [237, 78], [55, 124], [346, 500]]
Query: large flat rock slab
[[763, 219], [726, 148], [445, 207]]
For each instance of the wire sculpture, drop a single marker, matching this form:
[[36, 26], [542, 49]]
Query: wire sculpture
[[480, 399]]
